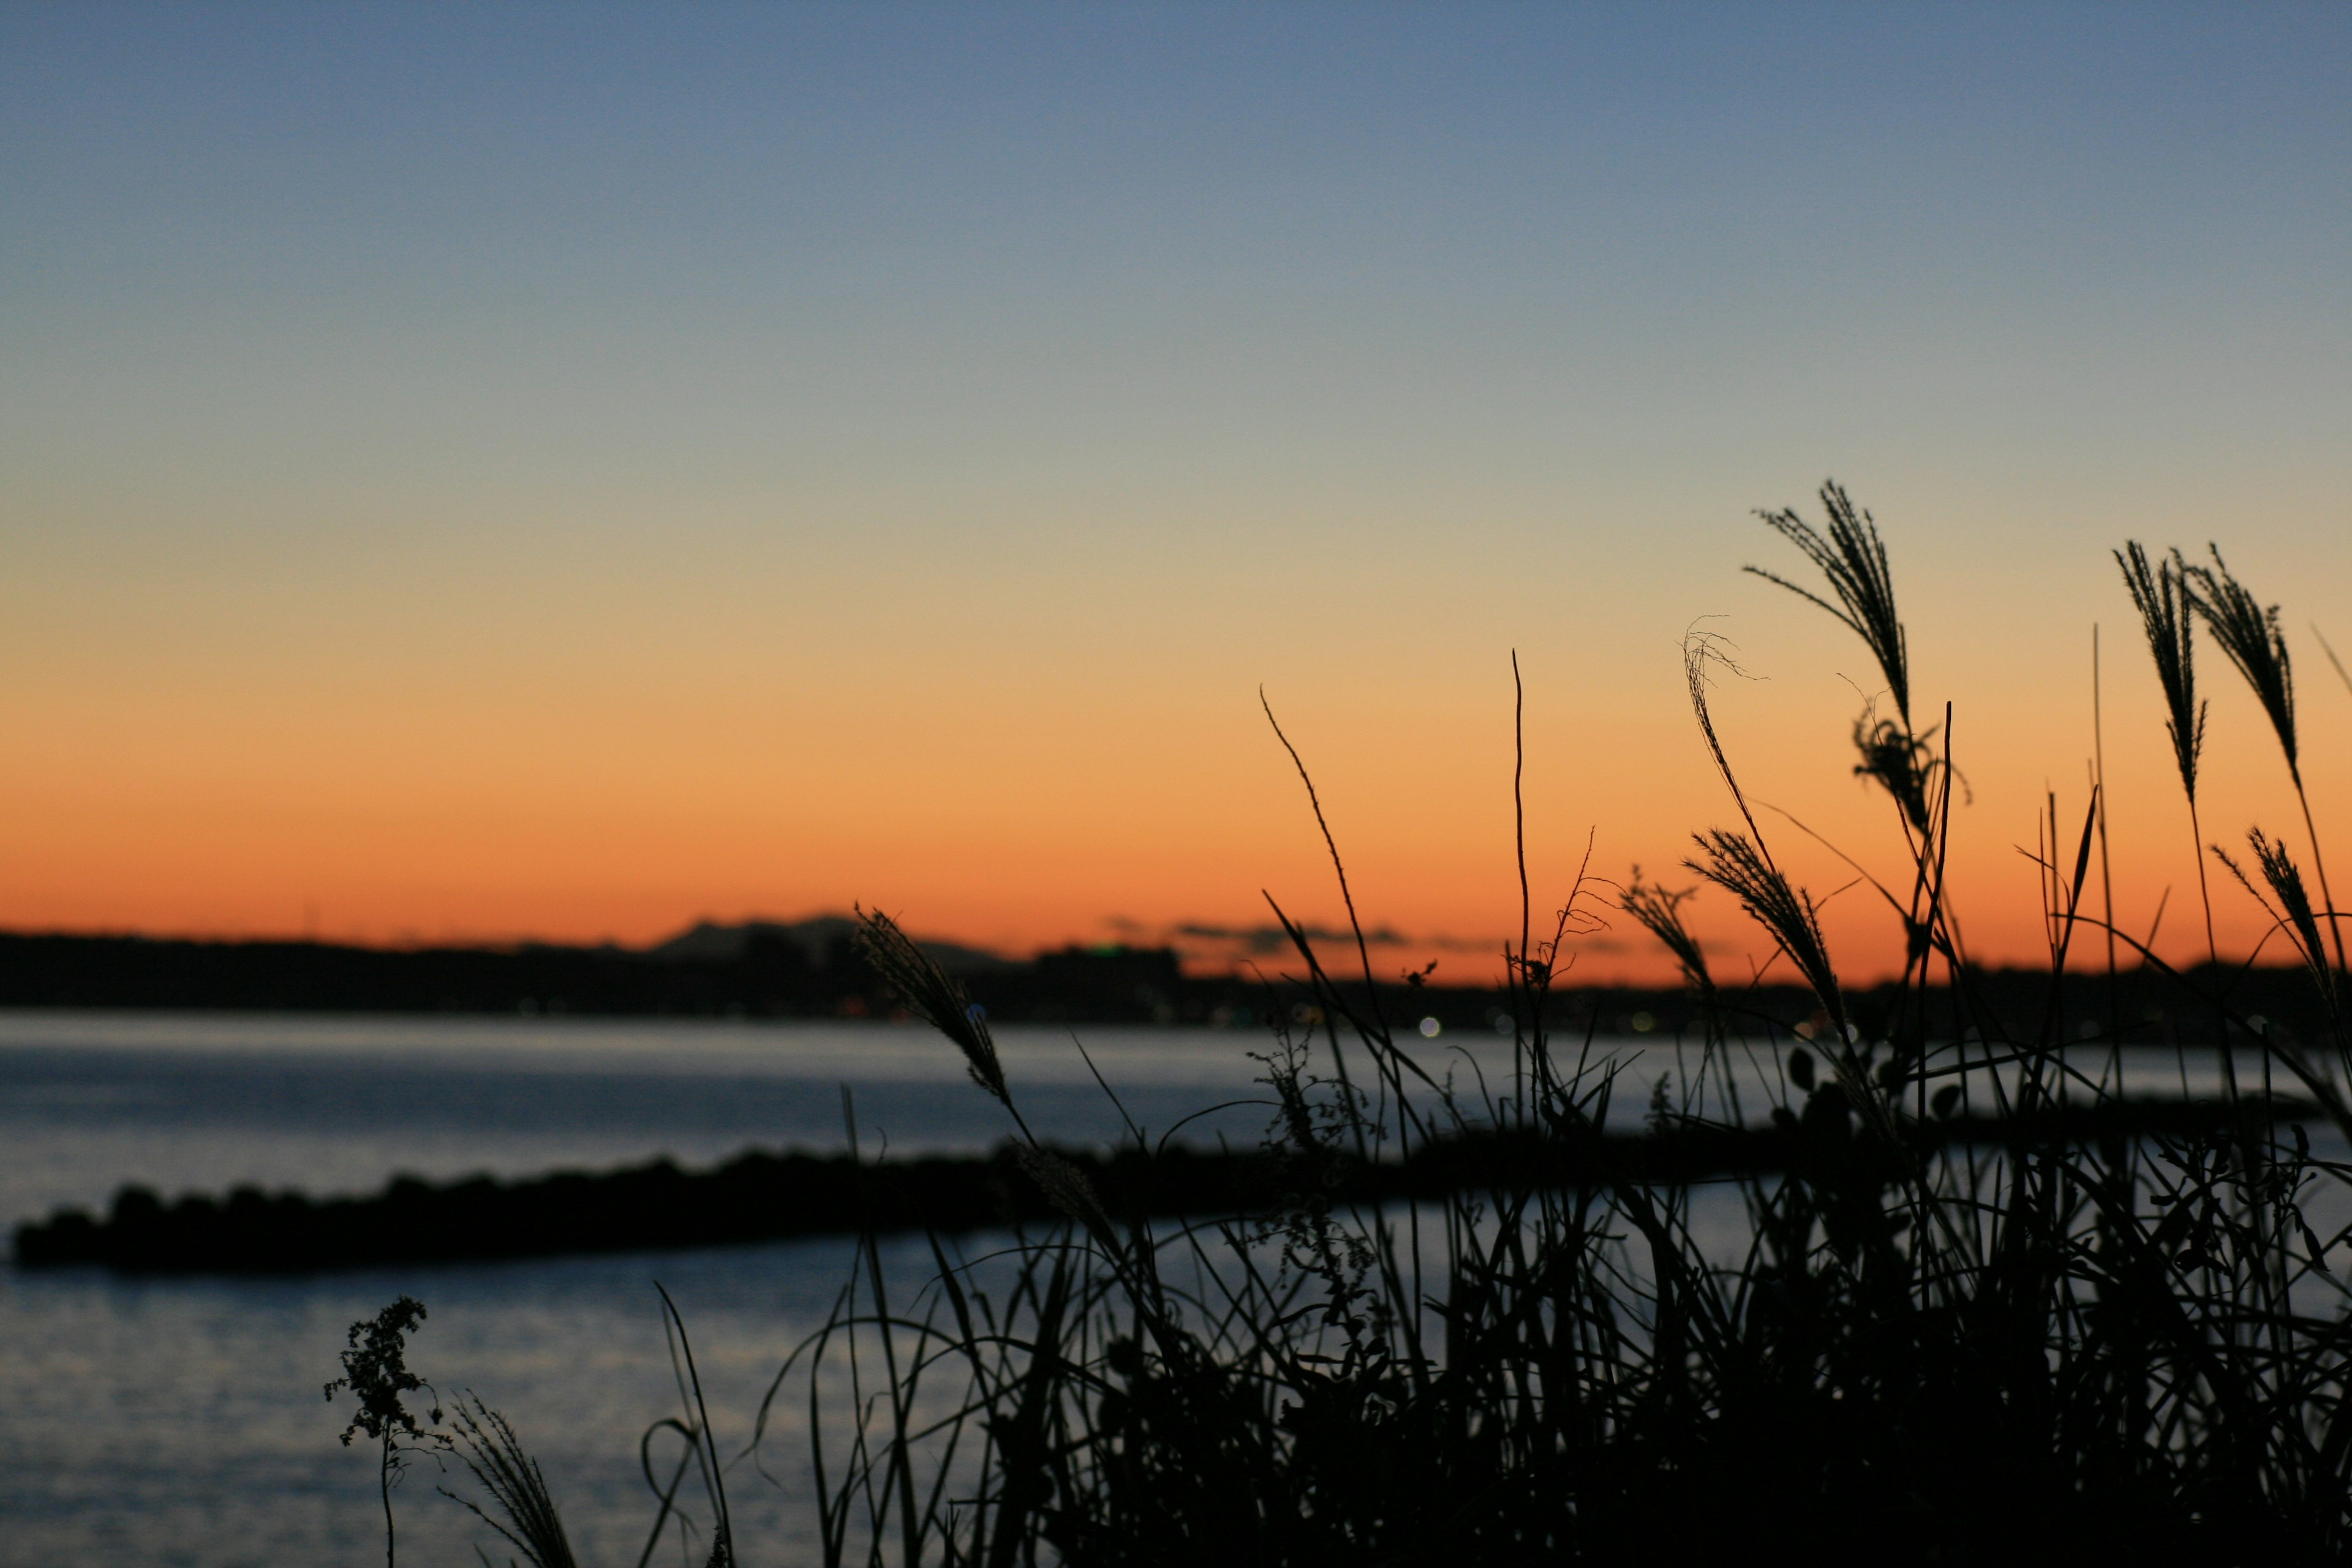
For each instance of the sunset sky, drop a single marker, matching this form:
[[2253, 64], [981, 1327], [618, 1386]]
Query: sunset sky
[[470, 473]]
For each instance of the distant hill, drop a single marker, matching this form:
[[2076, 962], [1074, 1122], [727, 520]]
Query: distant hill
[[818, 938]]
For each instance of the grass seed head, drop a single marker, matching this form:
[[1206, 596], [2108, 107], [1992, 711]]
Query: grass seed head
[[2160, 594], [1066, 1187], [490, 1449], [1852, 558], [2294, 910], [2248, 632], [932, 994], [1732, 862], [1661, 913]]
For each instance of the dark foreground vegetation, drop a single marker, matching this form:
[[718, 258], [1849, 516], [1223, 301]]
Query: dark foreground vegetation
[[767, 1198], [2122, 1347]]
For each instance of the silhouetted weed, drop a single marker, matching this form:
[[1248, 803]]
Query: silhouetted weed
[[375, 1371]]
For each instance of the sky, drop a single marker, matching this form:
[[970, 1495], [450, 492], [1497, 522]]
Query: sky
[[471, 473]]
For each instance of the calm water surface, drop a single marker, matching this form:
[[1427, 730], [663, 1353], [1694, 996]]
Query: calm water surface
[[180, 1422]]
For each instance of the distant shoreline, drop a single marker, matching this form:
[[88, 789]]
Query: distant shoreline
[[778, 973]]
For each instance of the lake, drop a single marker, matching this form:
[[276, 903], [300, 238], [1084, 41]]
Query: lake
[[180, 1422]]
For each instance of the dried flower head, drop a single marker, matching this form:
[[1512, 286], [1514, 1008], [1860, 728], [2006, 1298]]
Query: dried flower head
[[1732, 862], [375, 1369], [1904, 764], [1660, 913]]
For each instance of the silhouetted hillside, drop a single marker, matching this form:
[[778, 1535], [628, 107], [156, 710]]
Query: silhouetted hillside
[[709, 942]]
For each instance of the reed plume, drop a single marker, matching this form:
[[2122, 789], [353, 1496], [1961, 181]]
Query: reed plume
[[938, 998], [2293, 913], [934, 996], [2160, 594], [489, 1450], [2250, 633], [1854, 559], [1742, 865], [1734, 862], [1660, 913]]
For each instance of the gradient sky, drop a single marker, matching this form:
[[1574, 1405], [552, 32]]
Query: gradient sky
[[469, 472]]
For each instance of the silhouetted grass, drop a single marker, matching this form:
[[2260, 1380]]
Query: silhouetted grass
[[494, 1456], [1897, 1345]]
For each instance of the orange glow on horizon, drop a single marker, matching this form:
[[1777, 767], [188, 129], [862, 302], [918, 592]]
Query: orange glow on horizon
[[1104, 814]]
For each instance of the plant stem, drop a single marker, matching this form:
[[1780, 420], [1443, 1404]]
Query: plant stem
[[2214, 954]]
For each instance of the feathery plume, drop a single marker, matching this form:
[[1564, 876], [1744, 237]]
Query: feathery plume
[[1066, 1188], [2160, 594], [2249, 634], [2294, 910], [1854, 558], [489, 1447], [932, 994], [1733, 862], [1661, 912]]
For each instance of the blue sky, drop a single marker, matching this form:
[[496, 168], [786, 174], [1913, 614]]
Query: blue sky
[[654, 238]]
